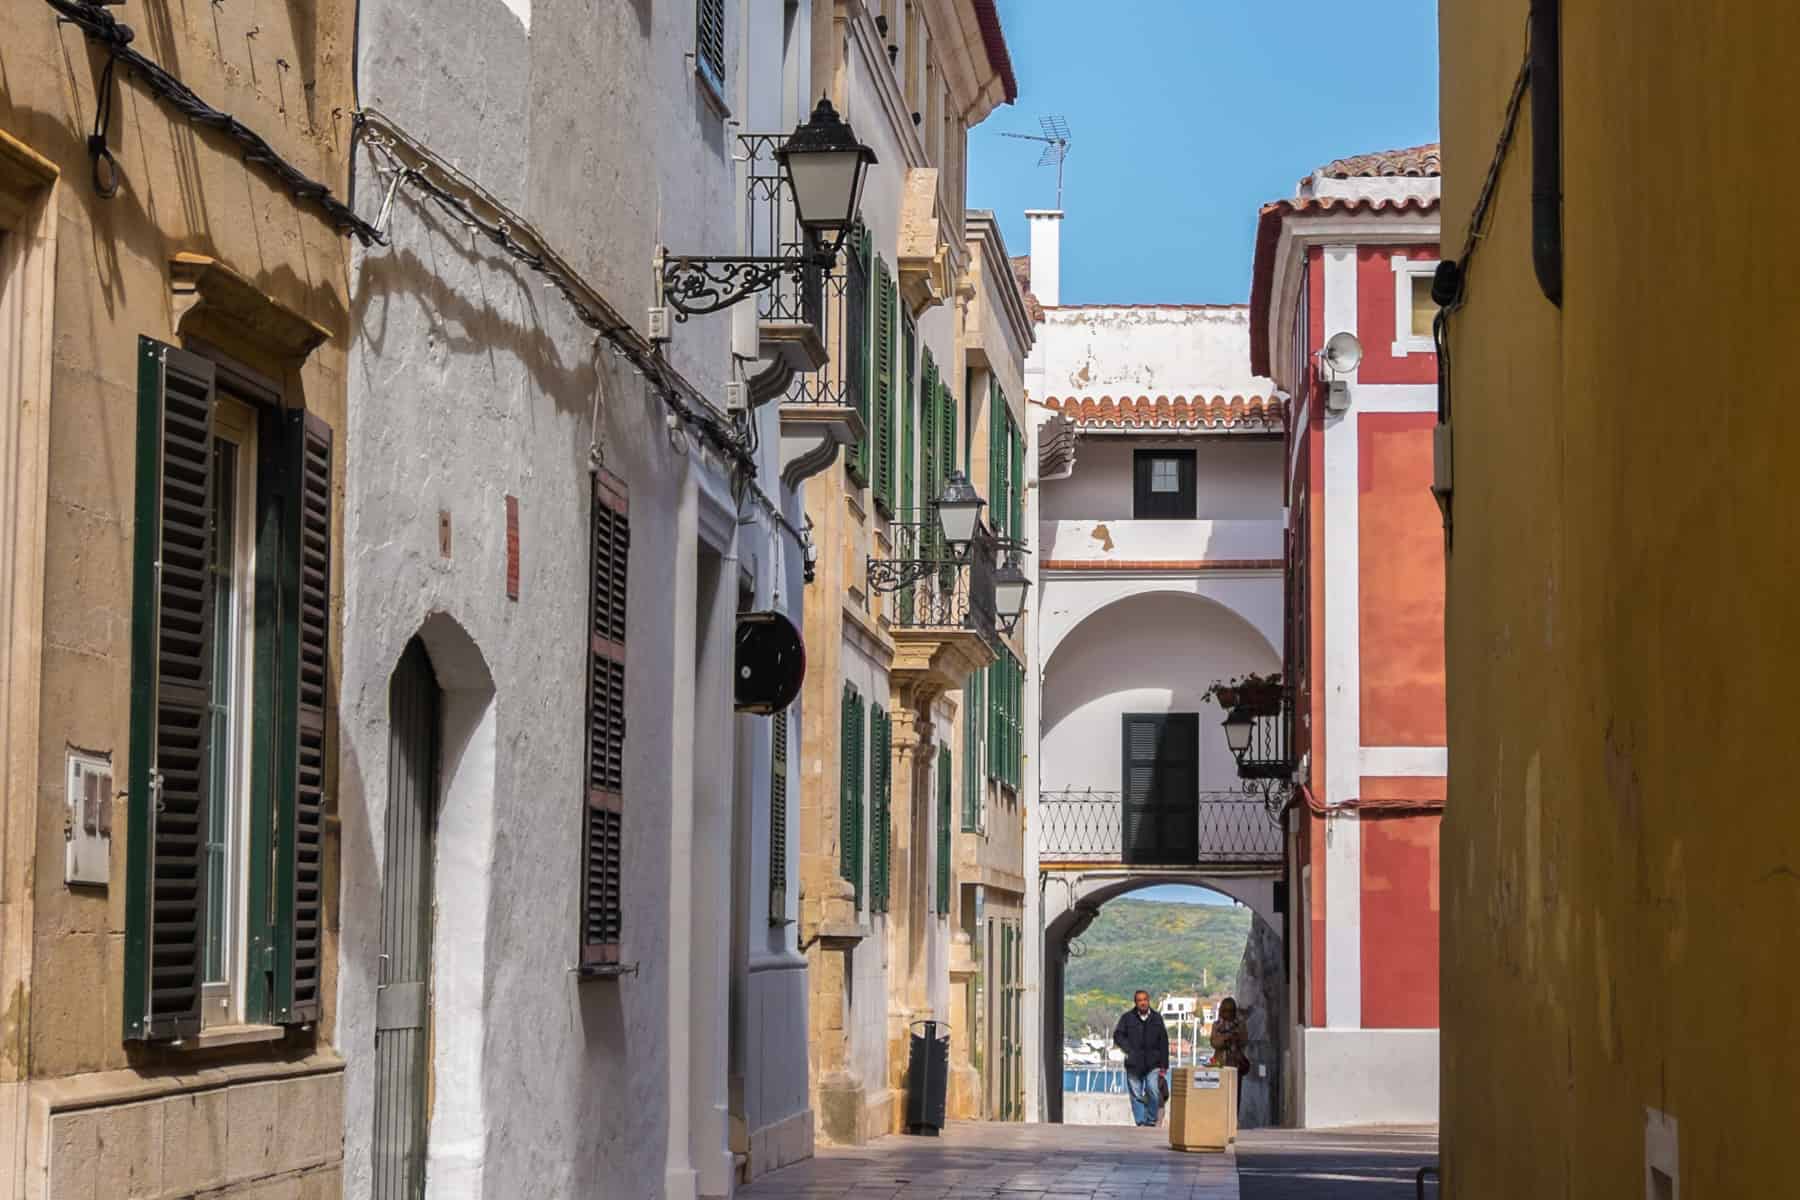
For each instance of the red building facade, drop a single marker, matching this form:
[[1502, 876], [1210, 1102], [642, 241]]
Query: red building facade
[[1353, 253]]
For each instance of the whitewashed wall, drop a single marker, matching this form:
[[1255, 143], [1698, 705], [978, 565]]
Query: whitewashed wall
[[1234, 478], [1148, 350]]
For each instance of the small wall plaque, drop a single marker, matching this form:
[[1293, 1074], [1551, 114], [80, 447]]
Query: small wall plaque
[[87, 825]]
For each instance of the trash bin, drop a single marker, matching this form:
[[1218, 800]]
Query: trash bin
[[927, 1078], [1203, 1108]]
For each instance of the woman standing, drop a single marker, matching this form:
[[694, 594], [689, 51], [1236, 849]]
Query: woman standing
[[1230, 1036]]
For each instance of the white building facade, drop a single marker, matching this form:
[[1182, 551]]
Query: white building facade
[[1160, 532], [569, 883]]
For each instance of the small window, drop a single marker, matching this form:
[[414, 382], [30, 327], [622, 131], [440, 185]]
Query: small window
[[1164, 485], [1414, 310], [709, 44]]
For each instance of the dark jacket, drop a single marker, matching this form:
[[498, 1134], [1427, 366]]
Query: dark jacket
[[1145, 1042]]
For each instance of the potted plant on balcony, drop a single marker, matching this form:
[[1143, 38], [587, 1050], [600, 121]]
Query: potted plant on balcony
[[1261, 694]]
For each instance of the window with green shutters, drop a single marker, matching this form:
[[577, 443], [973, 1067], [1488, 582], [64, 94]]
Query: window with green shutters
[[884, 335], [203, 607], [943, 830], [881, 740], [1006, 741], [909, 404], [858, 322], [946, 430], [850, 793], [974, 714], [1015, 482]]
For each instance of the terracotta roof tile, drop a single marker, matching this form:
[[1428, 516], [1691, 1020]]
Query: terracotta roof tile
[[1179, 413], [1268, 234], [1418, 162]]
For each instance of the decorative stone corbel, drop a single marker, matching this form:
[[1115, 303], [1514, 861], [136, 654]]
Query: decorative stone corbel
[[215, 303], [811, 435], [924, 256]]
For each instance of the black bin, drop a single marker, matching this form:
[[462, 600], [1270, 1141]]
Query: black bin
[[927, 1078]]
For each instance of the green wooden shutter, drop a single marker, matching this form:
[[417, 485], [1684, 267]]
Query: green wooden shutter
[[971, 777], [856, 342], [1015, 479], [885, 304], [943, 830], [878, 773], [299, 810], [909, 401], [778, 817], [849, 835], [928, 436], [171, 673], [946, 435], [609, 553]]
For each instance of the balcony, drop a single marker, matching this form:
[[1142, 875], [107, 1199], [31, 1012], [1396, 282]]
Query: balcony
[[1268, 754], [940, 609], [1165, 545], [1223, 829], [800, 325]]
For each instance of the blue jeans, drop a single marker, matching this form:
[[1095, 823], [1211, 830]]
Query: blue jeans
[[1144, 1098]]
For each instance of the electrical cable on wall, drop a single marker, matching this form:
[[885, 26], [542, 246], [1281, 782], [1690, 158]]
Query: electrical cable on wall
[[105, 30]]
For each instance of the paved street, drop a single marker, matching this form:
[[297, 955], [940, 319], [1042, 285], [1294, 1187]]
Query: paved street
[[1354, 1164], [1014, 1162]]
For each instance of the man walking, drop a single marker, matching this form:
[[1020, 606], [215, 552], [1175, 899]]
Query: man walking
[[1140, 1034]]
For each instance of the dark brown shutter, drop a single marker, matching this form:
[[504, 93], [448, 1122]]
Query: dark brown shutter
[[778, 818], [171, 676], [710, 38], [602, 900], [300, 826]]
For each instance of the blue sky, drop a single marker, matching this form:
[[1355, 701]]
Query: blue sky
[[1186, 116], [1180, 893]]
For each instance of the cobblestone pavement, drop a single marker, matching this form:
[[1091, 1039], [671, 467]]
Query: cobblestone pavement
[[1008, 1162], [1335, 1164]]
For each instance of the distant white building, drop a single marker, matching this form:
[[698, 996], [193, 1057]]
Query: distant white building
[[1158, 571]]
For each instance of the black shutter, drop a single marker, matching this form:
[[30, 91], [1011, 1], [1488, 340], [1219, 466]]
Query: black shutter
[[778, 818], [171, 676], [709, 41], [602, 897], [1159, 808], [300, 811]]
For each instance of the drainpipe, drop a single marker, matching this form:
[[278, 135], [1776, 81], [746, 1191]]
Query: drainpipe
[[1546, 147]]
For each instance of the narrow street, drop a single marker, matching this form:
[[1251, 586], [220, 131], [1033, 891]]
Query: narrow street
[[1013, 1161], [1356, 1164]]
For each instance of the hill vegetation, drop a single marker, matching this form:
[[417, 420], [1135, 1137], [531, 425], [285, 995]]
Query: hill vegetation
[[1188, 949]]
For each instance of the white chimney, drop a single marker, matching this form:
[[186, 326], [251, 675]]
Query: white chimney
[[1046, 254]]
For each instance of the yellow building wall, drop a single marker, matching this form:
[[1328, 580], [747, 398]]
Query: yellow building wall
[[1621, 849]]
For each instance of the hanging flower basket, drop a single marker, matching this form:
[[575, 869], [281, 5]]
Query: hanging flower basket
[[1261, 694]]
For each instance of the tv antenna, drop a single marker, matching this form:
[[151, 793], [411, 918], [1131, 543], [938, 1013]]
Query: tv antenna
[[1056, 147]]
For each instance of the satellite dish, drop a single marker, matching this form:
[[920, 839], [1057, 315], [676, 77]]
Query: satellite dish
[[1343, 353]]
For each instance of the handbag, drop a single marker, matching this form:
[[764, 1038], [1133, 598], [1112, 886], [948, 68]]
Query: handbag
[[1162, 1088]]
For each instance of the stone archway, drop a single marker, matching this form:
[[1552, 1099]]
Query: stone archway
[[1263, 969]]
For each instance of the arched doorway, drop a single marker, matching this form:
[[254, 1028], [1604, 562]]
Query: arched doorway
[[403, 980], [1072, 904]]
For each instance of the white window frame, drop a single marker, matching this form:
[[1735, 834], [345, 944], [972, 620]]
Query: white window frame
[[222, 1001], [1405, 271]]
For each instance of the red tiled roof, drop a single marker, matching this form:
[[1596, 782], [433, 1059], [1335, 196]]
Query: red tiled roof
[[1175, 413], [988, 17], [1417, 162], [1021, 269], [1268, 233]]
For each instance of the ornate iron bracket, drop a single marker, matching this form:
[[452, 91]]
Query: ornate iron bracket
[[694, 285], [890, 575]]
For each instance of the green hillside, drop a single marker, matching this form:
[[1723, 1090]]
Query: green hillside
[[1160, 947]]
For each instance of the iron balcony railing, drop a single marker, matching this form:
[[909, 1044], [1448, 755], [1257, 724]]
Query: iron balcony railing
[[928, 586], [770, 229], [1223, 828]]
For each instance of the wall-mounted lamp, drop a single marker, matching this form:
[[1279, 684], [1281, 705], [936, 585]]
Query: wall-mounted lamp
[[1010, 587], [959, 508], [824, 166], [1341, 355]]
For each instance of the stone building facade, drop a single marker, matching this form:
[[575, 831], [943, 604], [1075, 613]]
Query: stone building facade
[[886, 664], [174, 325]]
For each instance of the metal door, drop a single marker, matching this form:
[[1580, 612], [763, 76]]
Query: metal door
[[402, 1003]]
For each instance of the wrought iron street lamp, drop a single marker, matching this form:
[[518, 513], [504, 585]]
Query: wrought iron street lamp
[[1239, 724], [1010, 586], [824, 166], [959, 508]]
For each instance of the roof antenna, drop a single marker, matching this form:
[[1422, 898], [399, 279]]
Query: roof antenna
[[1056, 147]]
